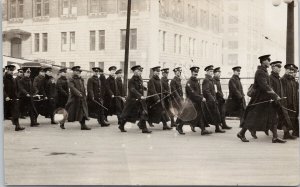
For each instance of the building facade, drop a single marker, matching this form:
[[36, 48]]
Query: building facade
[[92, 32]]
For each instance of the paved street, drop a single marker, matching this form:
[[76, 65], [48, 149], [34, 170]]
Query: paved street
[[50, 155]]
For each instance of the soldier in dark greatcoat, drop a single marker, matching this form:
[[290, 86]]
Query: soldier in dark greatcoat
[[120, 93], [290, 90], [209, 94], [156, 106], [50, 92], [77, 106], [62, 89], [193, 94], [104, 91], [260, 114], [284, 120], [177, 93], [236, 103], [220, 97], [39, 89], [135, 106], [27, 93], [95, 97], [11, 98], [23, 112]]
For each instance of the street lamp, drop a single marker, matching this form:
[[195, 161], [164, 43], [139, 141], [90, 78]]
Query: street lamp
[[289, 29]]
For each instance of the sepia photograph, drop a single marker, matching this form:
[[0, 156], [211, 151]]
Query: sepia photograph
[[150, 92]]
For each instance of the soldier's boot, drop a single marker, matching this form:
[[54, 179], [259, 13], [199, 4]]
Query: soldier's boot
[[144, 127], [18, 127], [34, 122], [287, 135], [218, 130], [192, 127], [102, 122], [224, 125], [253, 134], [150, 124], [83, 125], [62, 126], [278, 140], [179, 128], [139, 125], [122, 126], [173, 124], [165, 126], [295, 133]]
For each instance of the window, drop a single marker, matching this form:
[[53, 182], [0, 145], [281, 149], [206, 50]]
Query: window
[[232, 59], [63, 64], [92, 40], [233, 44], [175, 42], [190, 46], [41, 8], [98, 6], [101, 39], [72, 41], [63, 41], [194, 41], [122, 65], [92, 65], [13, 11], [233, 20], [180, 37], [101, 65], [71, 64], [45, 42], [132, 39], [36, 42], [69, 7], [16, 8]]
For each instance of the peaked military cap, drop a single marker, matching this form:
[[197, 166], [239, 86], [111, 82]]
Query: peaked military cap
[[195, 69], [276, 63], [210, 67], [76, 68], [237, 68], [20, 70], [96, 69], [119, 71], [137, 67], [156, 68], [177, 69], [10, 67], [218, 69], [62, 70], [26, 70], [290, 66], [165, 70], [112, 68], [264, 57], [47, 69]]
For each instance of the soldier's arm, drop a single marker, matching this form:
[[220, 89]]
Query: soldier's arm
[[60, 88], [90, 88], [22, 88], [262, 82], [152, 90], [132, 89], [110, 92], [74, 90], [234, 90], [192, 94], [206, 90]]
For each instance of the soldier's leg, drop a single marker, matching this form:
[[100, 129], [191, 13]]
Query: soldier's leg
[[165, 125], [241, 135], [101, 118], [180, 124], [202, 125], [144, 126], [83, 125], [275, 138], [223, 117], [18, 127], [122, 125]]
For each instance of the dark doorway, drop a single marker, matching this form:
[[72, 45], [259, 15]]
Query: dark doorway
[[16, 47]]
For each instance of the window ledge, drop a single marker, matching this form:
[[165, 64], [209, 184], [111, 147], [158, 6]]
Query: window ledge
[[98, 15], [133, 13], [16, 20], [68, 16], [41, 18]]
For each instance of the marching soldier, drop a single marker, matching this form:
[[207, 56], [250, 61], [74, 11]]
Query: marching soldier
[[103, 88], [177, 96], [157, 109], [20, 75], [95, 97], [209, 94], [135, 106], [220, 97], [27, 93], [11, 97], [62, 89], [77, 105], [50, 93], [193, 93], [120, 94], [290, 90], [284, 120], [38, 86], [236, 102], [260, 114]]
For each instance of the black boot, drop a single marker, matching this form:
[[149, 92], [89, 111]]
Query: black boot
[[62, 126], [102, 121], [144, 127], [139, 125], [253, 134], [278, 140], [150, 124], [122, 126], [83, 125], [34, 122], [267, 132], [166, 127], [205, 132], [225, 126], [242, 137], [192, 127], [287, 135], [18, 127], [173, 124], [295, 133], [179, 129], [218, 130]]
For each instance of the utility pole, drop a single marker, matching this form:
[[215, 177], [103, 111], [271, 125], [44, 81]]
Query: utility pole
[[127, 45], [290, 34]]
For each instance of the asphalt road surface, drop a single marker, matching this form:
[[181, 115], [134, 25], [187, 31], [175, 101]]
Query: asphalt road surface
[[51, 156]]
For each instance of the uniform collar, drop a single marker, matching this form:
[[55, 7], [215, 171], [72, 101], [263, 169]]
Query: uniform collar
[[262, 68], [275, 74]]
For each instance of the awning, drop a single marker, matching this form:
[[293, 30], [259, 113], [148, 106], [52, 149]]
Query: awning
[[15, 33]]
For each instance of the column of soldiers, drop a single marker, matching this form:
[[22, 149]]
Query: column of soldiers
[[273, 104]]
